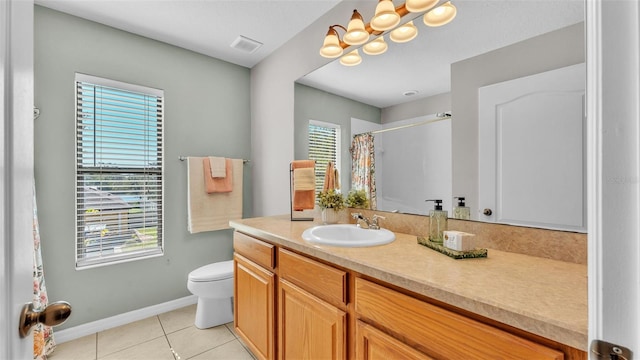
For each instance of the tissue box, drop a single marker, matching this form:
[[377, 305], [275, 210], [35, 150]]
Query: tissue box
[[458, 240]]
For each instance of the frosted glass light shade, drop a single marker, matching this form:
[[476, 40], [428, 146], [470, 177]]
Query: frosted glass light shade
[[441, 15], [351, 59], [331, 47], [404, 33], [376, 47], [356, 33], [385, 17], [419, 5]]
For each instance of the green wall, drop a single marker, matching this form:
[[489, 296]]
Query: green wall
[[207, 112], [314, 104]]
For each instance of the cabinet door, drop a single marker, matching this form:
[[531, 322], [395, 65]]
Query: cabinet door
[[309, 328], [254, 295], [373, 344]]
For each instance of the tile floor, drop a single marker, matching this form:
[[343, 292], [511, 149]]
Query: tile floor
[[170, 336]]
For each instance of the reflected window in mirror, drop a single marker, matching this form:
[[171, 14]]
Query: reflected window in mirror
[[324, 147]]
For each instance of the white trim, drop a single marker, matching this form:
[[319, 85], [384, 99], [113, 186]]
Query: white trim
[[593, 41], [119, 85], [76, 332]]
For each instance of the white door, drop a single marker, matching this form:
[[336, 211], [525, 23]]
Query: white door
[[531, 150], [16, 173], [613, 93]]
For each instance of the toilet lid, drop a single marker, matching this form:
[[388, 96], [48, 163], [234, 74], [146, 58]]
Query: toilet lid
[[216, 271]]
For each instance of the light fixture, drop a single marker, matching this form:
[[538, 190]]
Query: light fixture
[[404, 33], [385, 17], [441, 15], [356, 33], [331, 47], [417, 6], [375, 47], [351, 59]]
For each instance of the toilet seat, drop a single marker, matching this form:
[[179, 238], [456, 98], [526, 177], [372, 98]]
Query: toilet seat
[[213, 272]]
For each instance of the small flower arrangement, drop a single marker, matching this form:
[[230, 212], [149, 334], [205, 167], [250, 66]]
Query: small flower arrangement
[[331, 199], [357, 199]]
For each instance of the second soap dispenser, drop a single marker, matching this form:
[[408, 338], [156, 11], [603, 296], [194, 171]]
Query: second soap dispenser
[[461, 211], [437, 222]]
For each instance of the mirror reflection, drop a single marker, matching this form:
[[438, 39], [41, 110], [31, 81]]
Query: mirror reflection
[[411, 162], [489, 42]]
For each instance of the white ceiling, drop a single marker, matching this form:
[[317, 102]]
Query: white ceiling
[[210, 26], [204, 26]]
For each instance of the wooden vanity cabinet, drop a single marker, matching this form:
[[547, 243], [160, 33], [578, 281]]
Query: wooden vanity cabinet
[[254, 295], [291, 306], [312, 321], [438, 332], [307, 299]]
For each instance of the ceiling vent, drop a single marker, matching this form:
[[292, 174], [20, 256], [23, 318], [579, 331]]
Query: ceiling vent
[[245, 44]]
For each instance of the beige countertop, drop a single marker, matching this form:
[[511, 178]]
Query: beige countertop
[[542, 296]]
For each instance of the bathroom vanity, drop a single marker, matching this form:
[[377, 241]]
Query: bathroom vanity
[[295, 300]]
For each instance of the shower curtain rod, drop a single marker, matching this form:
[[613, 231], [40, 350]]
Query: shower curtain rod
[[441, 117]]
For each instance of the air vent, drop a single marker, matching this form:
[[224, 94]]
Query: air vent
[[245, 44]]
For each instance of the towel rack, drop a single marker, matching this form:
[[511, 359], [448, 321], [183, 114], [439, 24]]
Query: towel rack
[[183, 158]]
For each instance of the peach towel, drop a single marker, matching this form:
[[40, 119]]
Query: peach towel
[[329, 177], [217, 184], [208, 212], [303, 199]]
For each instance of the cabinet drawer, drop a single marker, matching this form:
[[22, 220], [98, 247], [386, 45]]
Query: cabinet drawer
[[321, 280], [257, 250], [438, 332]]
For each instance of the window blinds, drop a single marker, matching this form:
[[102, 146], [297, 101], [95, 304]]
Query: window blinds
[[119, 177], [324, 146]]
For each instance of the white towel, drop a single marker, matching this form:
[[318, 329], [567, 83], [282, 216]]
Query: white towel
[[218, 167], [208, 212]]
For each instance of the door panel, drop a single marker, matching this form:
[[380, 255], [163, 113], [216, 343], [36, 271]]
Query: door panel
[[308, 327], [254, 295], [373, 344], [16, 173], [531, 150]]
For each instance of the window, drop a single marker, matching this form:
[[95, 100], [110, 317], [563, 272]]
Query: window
[[324, 146], [119, 172]]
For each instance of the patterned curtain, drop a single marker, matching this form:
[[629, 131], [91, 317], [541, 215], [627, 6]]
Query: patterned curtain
[[363, 166], [43, 342]]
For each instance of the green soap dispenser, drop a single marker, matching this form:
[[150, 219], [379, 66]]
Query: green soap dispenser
[[437, 222], [461, 211]]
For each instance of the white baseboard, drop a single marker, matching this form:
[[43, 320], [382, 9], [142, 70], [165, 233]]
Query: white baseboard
[[93, 327]]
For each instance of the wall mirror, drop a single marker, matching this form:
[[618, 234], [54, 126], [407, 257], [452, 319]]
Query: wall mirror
[[442, 69]]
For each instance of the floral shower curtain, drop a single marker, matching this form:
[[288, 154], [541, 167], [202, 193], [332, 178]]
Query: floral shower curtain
[[43, 342], [363, 166]]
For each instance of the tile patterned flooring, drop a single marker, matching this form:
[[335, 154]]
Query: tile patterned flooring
[[168, 336]]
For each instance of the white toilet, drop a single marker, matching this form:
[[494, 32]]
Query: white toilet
[[213, 285]]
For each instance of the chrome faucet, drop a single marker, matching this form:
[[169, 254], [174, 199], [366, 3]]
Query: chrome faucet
[[371, 224]]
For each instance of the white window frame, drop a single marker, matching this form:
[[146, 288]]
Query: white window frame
[[320, 169], [154, 168]]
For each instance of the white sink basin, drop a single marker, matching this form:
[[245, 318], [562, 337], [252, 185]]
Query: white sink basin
[[347, 235]]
